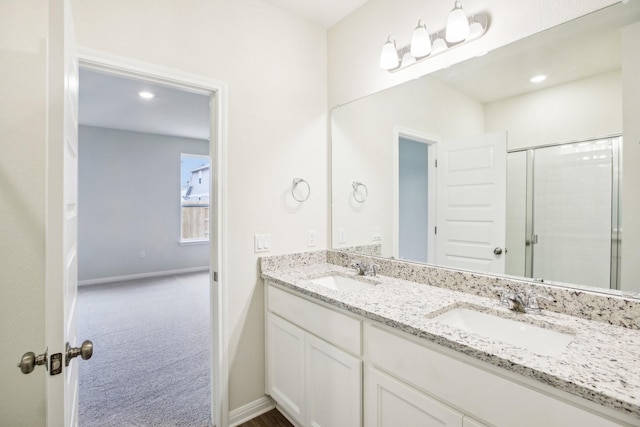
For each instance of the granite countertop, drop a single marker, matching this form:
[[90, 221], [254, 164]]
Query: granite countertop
[[601, 364]]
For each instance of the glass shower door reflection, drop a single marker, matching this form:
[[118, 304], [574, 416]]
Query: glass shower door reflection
[[572, 212]]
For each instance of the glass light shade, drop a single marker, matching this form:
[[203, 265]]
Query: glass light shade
[[439, 45], [457, 25], [475, 30], [389, 56], [420, 42]]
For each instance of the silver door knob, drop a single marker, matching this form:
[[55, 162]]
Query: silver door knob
[[497, 251], [85, 351], [29, 361]]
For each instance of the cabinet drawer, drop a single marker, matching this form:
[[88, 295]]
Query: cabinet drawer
[[475, 391], [340, 330]]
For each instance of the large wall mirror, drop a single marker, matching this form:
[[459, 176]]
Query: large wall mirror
[[483, 167]]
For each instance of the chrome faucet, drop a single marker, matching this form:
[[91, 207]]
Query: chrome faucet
[[365, 270], [521, 304], [514, 301], [360, 267]]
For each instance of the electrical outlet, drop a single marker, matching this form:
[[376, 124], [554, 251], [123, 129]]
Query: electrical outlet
[[262, 242], [311, 238]]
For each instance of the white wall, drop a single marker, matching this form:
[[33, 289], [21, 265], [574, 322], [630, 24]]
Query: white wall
[[355, 42], [129, 201], [631, 158], [363, 132], [275, 67], [23, 33], [575, 111]]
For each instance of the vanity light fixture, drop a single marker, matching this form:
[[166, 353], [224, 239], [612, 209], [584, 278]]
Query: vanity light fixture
[[457, 25], [538, 79], [420, 41], [459, 29], [389, 58], [146, 95]]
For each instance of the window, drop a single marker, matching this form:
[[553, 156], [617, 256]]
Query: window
[[194, 197]]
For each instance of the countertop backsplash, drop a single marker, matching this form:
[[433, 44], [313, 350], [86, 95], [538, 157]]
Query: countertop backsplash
[[614, 308]]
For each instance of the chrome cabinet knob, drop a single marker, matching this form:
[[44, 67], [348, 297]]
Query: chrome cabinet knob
[[497, 251], [85, 351], [29, 361]]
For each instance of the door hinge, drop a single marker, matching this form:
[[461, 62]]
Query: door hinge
[[215, 276], [436, 162], [435, 230]]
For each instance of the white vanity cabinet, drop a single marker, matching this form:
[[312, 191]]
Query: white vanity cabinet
[[389, 402], [476, 389], [309, 373], [315, 359]]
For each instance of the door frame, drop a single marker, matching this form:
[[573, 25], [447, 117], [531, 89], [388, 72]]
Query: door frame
[[218, 92], [432, 141]]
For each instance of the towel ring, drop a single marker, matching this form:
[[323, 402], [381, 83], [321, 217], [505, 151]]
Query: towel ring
[[296, 182], [357, 191]]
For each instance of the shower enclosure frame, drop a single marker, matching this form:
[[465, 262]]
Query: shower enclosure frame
[[616, 220]]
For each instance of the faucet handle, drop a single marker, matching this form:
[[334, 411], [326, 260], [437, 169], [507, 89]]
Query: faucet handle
[[372, 269], [532, 301]]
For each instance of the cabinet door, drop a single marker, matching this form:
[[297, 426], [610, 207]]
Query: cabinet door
[[286, 366], [334, 386], [391, 403]]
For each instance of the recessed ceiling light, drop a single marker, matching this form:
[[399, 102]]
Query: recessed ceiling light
[[146, 95], [538, 79]]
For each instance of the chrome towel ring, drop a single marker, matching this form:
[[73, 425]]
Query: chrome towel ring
[[360, 191], [296, 182]]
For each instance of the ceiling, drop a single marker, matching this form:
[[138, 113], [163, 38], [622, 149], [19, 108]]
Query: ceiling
[[575, 50], [323, 12], [112, 101]]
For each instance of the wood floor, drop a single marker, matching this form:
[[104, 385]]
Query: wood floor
[[272, 418]]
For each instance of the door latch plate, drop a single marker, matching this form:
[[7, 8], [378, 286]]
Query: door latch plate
[[55, 366]]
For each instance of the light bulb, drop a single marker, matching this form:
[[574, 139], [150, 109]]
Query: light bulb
[[439, 46], [420, 41], [457, 25], [389, 56], [475, 30]]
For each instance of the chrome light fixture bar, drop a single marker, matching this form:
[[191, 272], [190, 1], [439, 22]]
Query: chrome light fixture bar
[[460, 29]]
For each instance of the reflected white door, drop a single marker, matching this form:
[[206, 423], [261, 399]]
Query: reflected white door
[[471, 203], [62, 213]]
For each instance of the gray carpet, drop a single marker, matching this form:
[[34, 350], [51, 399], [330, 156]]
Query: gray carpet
[[152, 350]]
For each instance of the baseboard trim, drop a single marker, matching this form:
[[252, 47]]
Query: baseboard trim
[[140, 276], [250, 411]]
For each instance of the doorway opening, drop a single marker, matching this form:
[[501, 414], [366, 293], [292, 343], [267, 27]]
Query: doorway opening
[[415, 204], [161, 310]]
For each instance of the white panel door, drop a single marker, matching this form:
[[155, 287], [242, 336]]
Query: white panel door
[[334, 386], [286, 361], [391, 403], [471, 202], [62, 213]]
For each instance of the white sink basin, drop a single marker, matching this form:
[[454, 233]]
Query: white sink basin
[[534, 338], [341, 283]]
